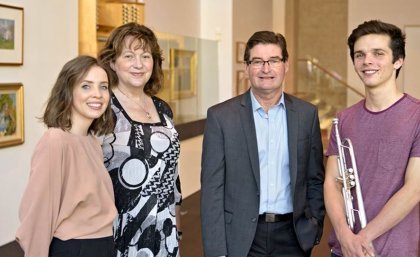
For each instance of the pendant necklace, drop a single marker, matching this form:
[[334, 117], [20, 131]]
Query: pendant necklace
[[138, 104]]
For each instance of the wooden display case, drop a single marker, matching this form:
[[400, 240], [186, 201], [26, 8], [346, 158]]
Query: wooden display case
[[97, 18]]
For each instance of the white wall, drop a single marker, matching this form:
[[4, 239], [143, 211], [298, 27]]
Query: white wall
[[401, 14], [216, 24], [50, 39]]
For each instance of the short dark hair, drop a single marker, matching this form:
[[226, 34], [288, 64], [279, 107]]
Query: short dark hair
[[59, 105], [397, 43], [266, 37], [115, 44]]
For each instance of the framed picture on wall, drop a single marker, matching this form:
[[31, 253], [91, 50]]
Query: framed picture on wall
[[242, 82], [183, 68], [11, 114], [11, 35], [240, 50]]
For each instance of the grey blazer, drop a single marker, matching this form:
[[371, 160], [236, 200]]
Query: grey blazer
[[230, 180]]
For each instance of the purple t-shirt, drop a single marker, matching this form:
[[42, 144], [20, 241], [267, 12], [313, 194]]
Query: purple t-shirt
[[383, 142]]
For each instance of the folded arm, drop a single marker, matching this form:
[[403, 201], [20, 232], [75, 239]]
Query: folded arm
[[399, 206]]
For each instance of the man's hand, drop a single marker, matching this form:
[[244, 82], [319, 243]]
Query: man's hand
[[355, 245], [367, 245]]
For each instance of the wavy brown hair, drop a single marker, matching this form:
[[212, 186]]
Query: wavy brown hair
[[59, 105], [148, 41]]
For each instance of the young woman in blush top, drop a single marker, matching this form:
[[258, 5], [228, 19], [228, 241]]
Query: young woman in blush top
[[68, 206]]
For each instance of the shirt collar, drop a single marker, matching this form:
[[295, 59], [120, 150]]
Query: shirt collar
[[256, 105]]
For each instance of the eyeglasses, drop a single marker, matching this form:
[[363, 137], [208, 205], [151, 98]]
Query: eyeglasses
[[259, 63]]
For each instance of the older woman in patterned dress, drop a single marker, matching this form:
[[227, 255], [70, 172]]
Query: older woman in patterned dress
[[142, 153]]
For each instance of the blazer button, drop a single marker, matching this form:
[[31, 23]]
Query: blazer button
[[254, 219]]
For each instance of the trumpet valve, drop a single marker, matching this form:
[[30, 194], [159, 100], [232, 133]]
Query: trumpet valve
[[350, 177]]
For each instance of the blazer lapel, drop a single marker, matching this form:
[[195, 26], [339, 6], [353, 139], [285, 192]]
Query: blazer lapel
[[292, 130], [248, 125]]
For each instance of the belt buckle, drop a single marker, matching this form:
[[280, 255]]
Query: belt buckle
[[270, 217]]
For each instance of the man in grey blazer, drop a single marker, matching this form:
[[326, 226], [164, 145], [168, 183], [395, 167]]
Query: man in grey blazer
[[262, 165]]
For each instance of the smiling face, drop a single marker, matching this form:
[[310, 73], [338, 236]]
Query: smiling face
[[266, 79], [373, 60], [90, 98], [134, 66]]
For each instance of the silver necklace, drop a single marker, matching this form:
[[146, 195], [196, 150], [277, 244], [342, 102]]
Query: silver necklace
[[138, 104]]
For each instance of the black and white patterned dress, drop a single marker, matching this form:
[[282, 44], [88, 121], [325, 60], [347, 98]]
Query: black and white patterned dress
[[142, 160]]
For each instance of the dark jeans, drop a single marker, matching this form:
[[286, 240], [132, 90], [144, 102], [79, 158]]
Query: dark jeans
[[96, 247], [277, 239], [335, 255]]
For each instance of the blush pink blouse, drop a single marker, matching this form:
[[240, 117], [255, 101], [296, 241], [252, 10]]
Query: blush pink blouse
[[69, 194]]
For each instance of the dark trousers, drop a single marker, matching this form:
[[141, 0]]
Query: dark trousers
[[276, 239], [96, 247], [335, 255]]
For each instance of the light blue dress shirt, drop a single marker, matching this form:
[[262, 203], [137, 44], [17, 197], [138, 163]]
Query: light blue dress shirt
[[273, 153]]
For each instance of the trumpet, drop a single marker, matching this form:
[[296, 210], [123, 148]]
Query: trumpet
[[349, 179]]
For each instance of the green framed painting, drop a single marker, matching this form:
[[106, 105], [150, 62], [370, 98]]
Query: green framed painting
[[11, 114], [11, 35]]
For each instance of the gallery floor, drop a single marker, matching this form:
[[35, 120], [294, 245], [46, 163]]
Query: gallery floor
[[191, 245]]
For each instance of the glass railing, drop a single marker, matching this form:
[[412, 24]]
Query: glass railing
[[324, 88]]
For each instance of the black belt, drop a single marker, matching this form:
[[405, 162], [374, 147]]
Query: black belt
[[271, 217]]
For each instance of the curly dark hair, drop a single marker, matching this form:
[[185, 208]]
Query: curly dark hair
[[59, 105], [114, 46]]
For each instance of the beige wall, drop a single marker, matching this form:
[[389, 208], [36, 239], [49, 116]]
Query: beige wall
[[248, 17], [322, 33], [409, 73], [401, 14], [181, 17], [315, 29]]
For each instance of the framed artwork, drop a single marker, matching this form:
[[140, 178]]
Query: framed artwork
[[183, 69], [242, 82], [11, 35], [11, 114], [240, 50], [165, 92]]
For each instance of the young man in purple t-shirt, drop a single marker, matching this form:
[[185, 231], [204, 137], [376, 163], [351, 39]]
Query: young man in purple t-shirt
[[385, 131]]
